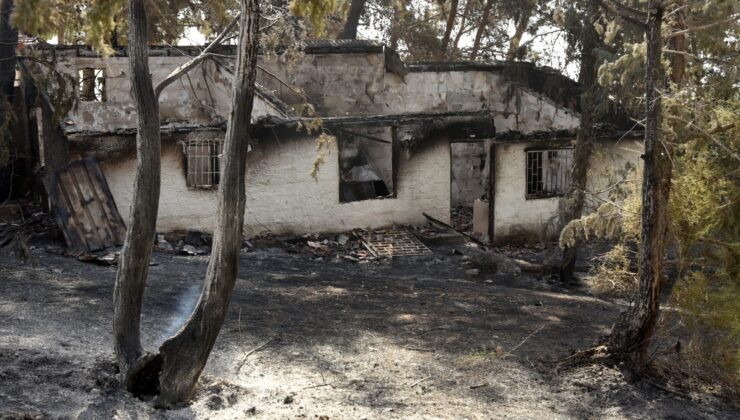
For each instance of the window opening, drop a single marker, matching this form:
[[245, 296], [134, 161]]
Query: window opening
[[548, 172], [92, 84], [365, 165], [203, 163]]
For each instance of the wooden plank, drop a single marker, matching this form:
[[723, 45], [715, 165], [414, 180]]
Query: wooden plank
[[491, 191], [395, 158], [84, 205], [91, 205], [97, 179], [82, 222], [64, 217]]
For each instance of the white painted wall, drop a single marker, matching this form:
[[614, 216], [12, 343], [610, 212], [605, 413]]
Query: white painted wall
[[283, 198], [453, 91], [520, 220], [337, 84]]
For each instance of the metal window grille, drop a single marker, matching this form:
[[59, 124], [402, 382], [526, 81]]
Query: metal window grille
[[548, 172], [92, 84], [203, 163]]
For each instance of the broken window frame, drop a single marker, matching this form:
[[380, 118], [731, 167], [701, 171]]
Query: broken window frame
[[91, 88], [539, 182], [342, 134], [199, 154]]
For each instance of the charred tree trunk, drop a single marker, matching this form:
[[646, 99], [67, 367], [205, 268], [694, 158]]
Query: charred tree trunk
[[185, 355], [8, 44], [678, 43], [463, 20], [448, 28], [521, 26], [137, 248], [353, 20], [398, 14], [575, 197], [481, 29], [631, 334]]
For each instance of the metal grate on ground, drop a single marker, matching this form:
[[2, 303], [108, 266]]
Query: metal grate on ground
[[394, 242]]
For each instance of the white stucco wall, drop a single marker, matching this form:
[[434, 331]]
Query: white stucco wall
[[336, 84], [283, 198], [520, 220], [452, 91]]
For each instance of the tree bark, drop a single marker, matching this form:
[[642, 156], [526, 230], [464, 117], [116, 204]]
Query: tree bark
[[185, 355], [137, 248], [678, 43], [575, 196], [631, 334], [353, 20], [398, 14], [8, 44], [462, 30], [516, 40], [481, 30], [448, 28]]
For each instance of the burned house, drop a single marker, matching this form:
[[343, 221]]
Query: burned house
[[408, 138]]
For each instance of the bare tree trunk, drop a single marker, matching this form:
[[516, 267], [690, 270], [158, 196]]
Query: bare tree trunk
[[353, 20], [575, 197], [464, 18], [481, 29], [88, 84], [516, 40], [631, 334], [8, 44], [398, 14], [137, 249], [185, 355], [448, 28], [678, 43]]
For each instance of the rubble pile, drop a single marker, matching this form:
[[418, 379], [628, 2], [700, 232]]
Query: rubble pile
[[462, 219], [429, 230], [346, 246], [18, 233], [189, 243]]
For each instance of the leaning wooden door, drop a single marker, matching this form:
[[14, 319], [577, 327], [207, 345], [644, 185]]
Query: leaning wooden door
[[84, 206]]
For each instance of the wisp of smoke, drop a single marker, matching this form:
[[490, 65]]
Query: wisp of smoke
[[185, 304]]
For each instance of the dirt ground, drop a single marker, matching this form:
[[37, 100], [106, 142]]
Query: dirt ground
[[411, 338]]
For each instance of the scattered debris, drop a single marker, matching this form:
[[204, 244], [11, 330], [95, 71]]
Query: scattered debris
[[420, 381], [342, 240], [394, 242], [441, 223], [492, 261], [462, 219], [10, 212], [255, 350], [107, 259], [188, 250]]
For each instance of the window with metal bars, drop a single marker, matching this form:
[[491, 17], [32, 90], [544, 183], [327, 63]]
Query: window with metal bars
[[203, 162], [548, 172], [92, 84]]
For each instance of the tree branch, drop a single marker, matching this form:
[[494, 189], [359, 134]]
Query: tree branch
[[732, 18], [628, 14], [186, 67], [709, 134]]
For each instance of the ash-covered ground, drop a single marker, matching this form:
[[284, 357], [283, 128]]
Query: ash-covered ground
[[411, 338]]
